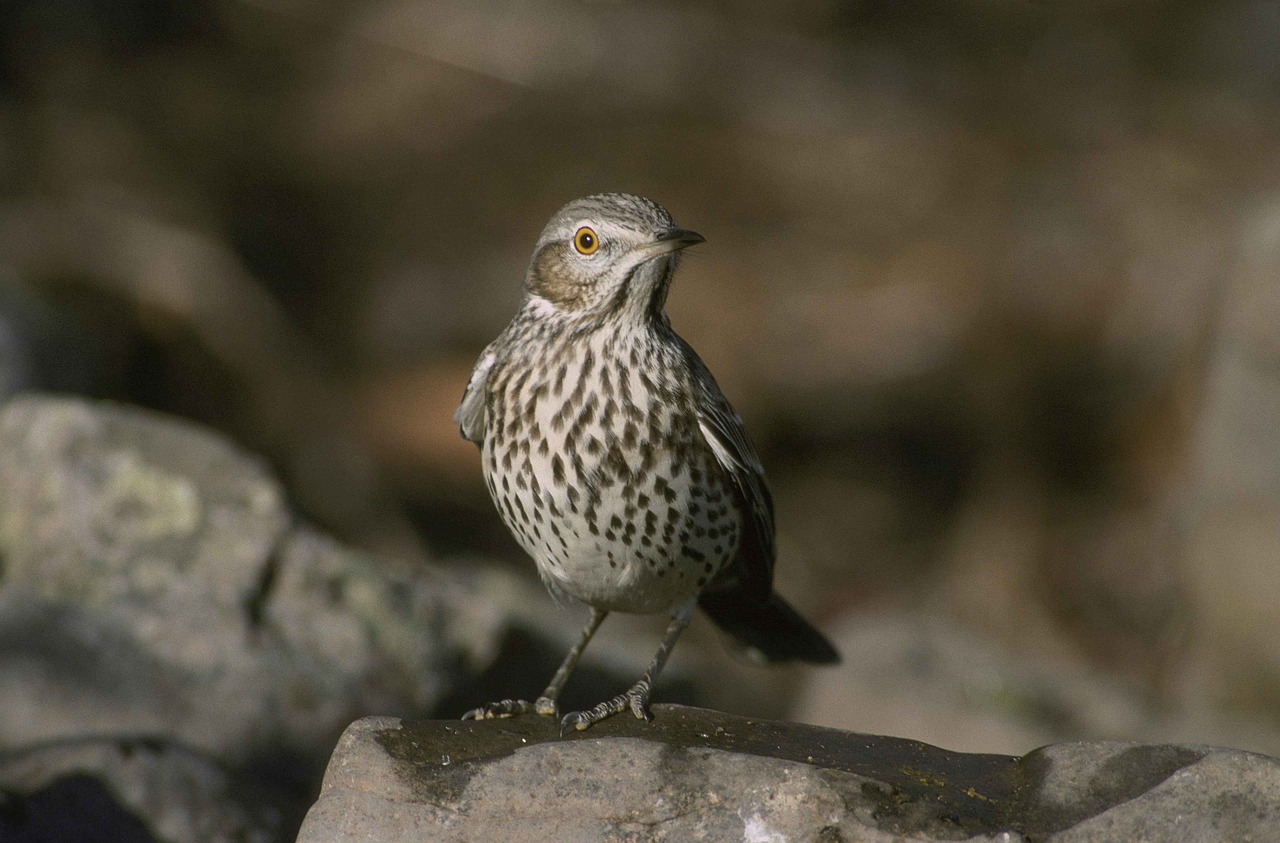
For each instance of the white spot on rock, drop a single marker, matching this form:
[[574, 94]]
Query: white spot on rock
[[756, 830]]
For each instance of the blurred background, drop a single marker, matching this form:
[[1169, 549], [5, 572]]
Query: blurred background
[[994, 284]]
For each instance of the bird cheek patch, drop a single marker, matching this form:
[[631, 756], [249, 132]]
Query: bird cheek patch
[[554, 279]]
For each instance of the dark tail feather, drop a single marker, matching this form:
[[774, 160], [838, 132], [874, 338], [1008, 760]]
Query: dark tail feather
[[772, 628]]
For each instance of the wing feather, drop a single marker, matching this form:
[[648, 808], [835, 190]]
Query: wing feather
[[470, 416], [726, 435]]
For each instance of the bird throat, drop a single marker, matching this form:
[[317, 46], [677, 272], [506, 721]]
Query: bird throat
[[653, 277]]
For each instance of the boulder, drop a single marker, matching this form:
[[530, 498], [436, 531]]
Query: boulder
[[695, 774], [156, 590], [154, 581]]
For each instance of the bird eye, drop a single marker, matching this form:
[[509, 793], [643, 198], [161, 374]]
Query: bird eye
[[586, 241]]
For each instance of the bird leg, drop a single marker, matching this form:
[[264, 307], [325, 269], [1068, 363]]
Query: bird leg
[[636, 697], [545, 704]]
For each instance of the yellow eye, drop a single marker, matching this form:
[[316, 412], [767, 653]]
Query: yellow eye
[[586, 241]]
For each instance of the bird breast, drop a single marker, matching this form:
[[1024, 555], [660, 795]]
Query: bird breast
[[595, 461]]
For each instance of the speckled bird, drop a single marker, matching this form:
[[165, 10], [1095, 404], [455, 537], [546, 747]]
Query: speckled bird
[[613, 457]]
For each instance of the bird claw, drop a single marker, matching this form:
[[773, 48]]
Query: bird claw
[[635, 698], [509, 708], [640, 707]]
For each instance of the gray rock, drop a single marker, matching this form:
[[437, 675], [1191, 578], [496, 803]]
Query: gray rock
[[700, 775], [152, 582], [127, 790], [1084, 792]]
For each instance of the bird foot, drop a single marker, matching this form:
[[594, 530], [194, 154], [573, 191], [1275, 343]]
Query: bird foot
[[635, 698], [509, 708]]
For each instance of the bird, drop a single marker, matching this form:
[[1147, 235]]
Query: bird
[[615, 460]]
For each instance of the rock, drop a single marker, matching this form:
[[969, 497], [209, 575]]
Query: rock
[[130, 791], [700, 775], [1099, 791], [153, 582]]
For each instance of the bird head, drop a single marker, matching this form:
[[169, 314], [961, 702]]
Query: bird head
[[608, 256]]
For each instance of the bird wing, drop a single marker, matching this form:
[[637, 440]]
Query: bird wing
[[470, 415], [722, 427]]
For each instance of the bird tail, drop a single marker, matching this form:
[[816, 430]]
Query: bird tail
[[770, 627]]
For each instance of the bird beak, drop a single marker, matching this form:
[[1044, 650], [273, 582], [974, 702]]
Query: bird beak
[[671, 240]]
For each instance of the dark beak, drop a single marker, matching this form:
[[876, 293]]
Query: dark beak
[[671, 240], [678, 238]]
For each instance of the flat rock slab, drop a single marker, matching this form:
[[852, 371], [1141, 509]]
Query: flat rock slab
[[695, 774]]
